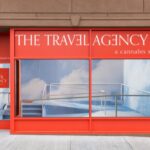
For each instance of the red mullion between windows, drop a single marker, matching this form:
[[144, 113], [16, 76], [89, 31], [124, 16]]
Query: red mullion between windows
[[12, 83], [90, 82]]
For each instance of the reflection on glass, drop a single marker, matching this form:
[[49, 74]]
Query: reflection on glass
[[4, 99], [121, 88], [54, 88]]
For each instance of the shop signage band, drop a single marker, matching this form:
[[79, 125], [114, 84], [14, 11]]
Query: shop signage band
[[107, 44], [81, 39]]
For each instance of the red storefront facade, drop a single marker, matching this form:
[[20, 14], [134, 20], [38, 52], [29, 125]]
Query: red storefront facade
[[74, 44]]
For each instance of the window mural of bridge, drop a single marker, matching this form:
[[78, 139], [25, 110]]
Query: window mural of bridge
[[60, 88]]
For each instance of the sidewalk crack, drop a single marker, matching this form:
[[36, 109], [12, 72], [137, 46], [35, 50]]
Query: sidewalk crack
[[128, 143]]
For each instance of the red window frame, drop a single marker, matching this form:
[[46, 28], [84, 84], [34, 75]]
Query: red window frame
[[90, 125]]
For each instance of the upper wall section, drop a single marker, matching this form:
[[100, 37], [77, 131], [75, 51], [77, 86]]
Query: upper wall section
[[67, 13], [107, 6], [33, 6], [77, 6]]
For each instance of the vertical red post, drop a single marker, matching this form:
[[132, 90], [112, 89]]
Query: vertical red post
[[19, 70], [12, 82], [90, 82]]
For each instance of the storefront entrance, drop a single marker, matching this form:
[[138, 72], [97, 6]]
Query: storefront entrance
[[79, 81]]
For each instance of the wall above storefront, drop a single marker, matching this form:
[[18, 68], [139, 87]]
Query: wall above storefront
[[70, 13]]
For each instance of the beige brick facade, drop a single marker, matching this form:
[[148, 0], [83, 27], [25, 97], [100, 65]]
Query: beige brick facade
[[68, 13]]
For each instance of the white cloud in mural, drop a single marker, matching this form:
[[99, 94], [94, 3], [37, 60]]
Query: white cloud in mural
[[105, 71], [108, 71], [137, 73], [108, 74], [32, 89], [76, 76], [137, 78], [74, 83]]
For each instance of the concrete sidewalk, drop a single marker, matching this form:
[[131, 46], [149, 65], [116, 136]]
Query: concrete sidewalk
[[63, 142]]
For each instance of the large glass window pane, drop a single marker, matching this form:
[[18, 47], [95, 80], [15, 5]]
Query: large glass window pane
[[54, 88], [107, 76], [136, 87], [121, 88], [4, 98]]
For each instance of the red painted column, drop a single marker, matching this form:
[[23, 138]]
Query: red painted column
[[12, 82]]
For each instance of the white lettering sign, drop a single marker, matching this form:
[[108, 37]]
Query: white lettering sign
[[81, 39]]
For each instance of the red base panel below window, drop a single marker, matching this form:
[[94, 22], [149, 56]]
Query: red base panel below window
[[4, 124], [81, 126]]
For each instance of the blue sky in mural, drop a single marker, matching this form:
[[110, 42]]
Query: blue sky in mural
[[76, 71], [37, 73], [50, 70]]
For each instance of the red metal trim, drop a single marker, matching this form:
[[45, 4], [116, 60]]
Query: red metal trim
[[12, 77], [19, 88], [4, 124], [61, 58], [90, 82], [87, 118], [99, 126]]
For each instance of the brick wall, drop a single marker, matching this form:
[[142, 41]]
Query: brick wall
[[100, 13]]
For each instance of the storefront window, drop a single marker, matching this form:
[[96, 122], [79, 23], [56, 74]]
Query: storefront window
[[4, 94], [121, 88], [54, 88]]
